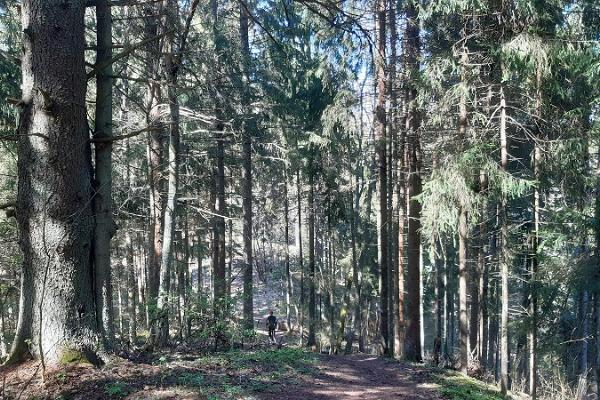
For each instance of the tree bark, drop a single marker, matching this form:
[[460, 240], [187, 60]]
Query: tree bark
[[131, 289], [57, 314], [288, 275], [248, 308], [412, 342], [463, 230], [381, 149], [219, 278], [312, 300], [155, 155], [105, 227], [534, 261], [504, 260], [300, 255], [171, 67]]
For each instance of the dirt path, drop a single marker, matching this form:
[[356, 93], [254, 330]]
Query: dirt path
[[358, 377]]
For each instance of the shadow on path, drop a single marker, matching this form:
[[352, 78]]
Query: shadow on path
[[358, 377]]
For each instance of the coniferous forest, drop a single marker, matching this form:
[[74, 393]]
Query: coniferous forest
[[411, 187]]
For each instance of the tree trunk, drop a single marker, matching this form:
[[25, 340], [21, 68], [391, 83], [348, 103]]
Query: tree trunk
[[219, 279], [482, 267], [131, 289], [288, 275], [300, 255], [463, 322], [105, 227], [381, 149], [155, 155], [534, 261], [463, 232], [396, 183], [57, 314], [412, 342], [247, 167], [312, 301], [504, 384], [173, 179], [439, 301], [597, 259]]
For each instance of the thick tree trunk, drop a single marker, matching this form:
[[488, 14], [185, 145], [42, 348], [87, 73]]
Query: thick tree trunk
[[412, 342], [57, 314], [105, 227]]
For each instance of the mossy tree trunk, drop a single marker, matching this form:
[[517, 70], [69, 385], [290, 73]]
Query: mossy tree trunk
[[57, 314]]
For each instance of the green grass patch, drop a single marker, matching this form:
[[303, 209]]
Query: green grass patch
[[454, 386], [116, 389], [241, 373], [194, 380]]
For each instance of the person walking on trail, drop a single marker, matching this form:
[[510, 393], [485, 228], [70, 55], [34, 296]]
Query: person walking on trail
[[271, 325]]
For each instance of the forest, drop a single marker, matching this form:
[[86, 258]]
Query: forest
[[411, 188]]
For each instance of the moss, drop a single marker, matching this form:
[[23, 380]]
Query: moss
[[458, 387], [70, 355]]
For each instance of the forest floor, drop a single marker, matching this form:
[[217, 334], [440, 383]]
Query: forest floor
[[268, 373]]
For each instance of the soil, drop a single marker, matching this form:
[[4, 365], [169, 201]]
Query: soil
[[331, 377], [359, 377]]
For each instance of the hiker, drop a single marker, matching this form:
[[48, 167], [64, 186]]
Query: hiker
[[271, 325]]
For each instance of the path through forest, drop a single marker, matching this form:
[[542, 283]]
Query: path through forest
[[359, 377], [267, 374]]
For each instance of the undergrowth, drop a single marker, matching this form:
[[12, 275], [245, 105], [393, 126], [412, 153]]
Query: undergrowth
[[454, 386]]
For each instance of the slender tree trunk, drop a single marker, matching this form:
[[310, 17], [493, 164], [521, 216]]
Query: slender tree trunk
[[300, 255], [462, 291], [412, 342], [155, 155], [185, 295], [534, 261], [396, 193], [312, 301], [247, 167], [173, 179], [463, 231], [3, 329], [131, 288], [439, 301], [105, 227], [597, 257], [483, 275], [219, 278], [288, 275], [504, 257], [57, 313], [381, 149]]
